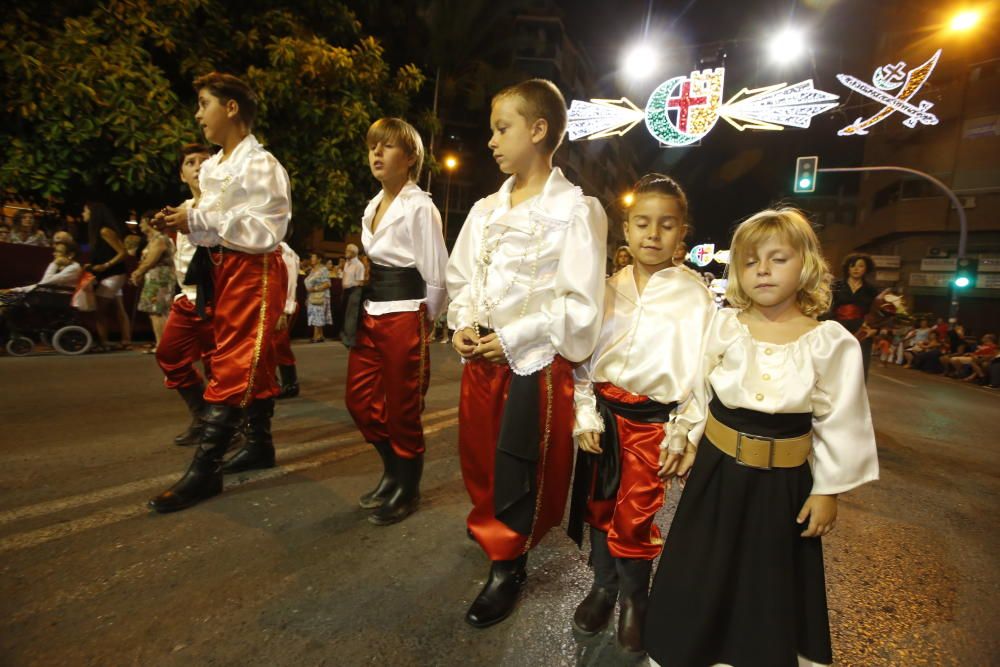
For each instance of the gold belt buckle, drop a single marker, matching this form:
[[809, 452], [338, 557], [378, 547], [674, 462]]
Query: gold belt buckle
[[739, 450]]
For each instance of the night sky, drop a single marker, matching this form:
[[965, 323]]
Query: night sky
[[733, 174]]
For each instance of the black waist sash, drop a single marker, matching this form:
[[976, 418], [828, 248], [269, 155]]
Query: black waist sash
[[200, 273], [393, 283], [608, 462], [515, 479]]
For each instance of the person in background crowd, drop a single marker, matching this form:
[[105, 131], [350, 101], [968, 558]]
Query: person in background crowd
[[5, 234], [155, 274], [853, 297], [623, 258], [26, 231], [925, 356], [680, 254], [62, 271], [318, 302], [354, 276], [107, 263], [978, 361]]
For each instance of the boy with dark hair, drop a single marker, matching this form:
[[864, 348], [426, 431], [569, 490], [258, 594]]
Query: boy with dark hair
[[238, 222]]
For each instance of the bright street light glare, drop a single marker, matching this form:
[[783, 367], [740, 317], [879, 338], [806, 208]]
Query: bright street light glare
[[640, 61], [961, 282], [787, 46], [965, 20], [628, 199], [450, 162]]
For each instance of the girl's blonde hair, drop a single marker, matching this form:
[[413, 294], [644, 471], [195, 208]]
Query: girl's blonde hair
[[399, 131], [792, 227]]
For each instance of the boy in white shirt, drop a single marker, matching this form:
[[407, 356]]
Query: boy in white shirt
[[526, 280], [389, 364], [238, 223]]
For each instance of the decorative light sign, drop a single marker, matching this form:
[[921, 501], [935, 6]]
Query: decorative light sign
[[683, 109], [890, 77], [705, 253]]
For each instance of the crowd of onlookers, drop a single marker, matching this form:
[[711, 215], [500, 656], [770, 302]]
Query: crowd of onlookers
[[943, 348]]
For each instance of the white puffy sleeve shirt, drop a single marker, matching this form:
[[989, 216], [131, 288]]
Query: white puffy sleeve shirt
[[246, 201], [291, 262], [650, 344], [183, 253], [821, 373], [543, 286], [408, 236]]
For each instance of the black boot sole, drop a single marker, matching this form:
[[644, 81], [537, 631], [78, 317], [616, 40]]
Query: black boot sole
[[247, 467], [590, 633], [378, 520], [480, 625], [167, 509]]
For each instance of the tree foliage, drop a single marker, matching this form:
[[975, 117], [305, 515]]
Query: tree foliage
[[99, 96]]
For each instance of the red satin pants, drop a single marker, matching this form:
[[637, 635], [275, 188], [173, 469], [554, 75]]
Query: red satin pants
[[483, 396], [248, 301], [185, 340], [628, 519], [388, 371]]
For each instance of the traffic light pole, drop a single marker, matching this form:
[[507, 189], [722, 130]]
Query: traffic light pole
[[963, 231]]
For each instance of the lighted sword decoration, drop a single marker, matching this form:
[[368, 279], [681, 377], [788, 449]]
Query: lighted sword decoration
[[890, 77]]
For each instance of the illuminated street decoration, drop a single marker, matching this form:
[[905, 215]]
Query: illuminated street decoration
[[890, 77], [683, 109], [705, 253]]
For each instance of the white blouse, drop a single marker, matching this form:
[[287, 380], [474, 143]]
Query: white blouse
[[183, 253], [533, 273], [409, 235], [291, 262], [650, 344], [820, 372], [246, 201]]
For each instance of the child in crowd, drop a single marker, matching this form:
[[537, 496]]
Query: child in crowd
[[783, 427], [526, 280], [629, 396]]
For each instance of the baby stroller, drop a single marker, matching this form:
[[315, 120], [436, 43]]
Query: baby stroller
[[44, 314]]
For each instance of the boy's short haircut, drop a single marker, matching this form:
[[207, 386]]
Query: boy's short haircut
[[664, 185], [228, 87], [398, 131], [192, 149], [540, 98]]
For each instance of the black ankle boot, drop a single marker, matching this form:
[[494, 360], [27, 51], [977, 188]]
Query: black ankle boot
[[258, 452], [403, 500], [203, 478], [289, 382], [377, 496], [633, 575], [593, 614], [194, 399], [499, 596]]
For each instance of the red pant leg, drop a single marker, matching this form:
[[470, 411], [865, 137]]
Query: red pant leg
[[483, 395], [186, 339], [365, 395], [248, 301], [405, 357], [283, 342]]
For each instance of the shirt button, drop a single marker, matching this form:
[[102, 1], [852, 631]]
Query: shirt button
[[759, 397], [766, 376], [768, 351]]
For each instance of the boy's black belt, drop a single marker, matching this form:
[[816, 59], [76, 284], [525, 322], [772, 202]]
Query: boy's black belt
[[393, 283]]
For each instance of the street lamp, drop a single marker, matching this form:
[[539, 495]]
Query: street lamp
[[628, 199], [787, 46], [640, 62], [450, 165], [965, 20]]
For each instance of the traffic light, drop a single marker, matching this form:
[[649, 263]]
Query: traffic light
[[966, 270], [805, 173]]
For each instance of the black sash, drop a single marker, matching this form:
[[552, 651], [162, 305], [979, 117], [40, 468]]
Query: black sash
[[200, 273], [392, 283], [608, 462], [516, 468]]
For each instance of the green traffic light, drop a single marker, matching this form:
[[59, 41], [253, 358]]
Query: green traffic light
[[805, 183], [962, 281]]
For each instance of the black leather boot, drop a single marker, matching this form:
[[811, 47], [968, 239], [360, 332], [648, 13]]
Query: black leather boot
[[289, 382], [377, 496], [403, 500], [258, 452], [633, 577], [203, 478], [594, 613], [194, 398], [499, 596]]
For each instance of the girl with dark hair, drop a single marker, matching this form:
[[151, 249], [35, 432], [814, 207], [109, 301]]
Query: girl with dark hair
[[107, 263], [853, 297]]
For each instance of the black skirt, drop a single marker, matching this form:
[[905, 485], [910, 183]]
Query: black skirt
[[737, 584]]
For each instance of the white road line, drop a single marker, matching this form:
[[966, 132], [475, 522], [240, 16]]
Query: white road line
[[886, 377], [112, 515], [60, 504]]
